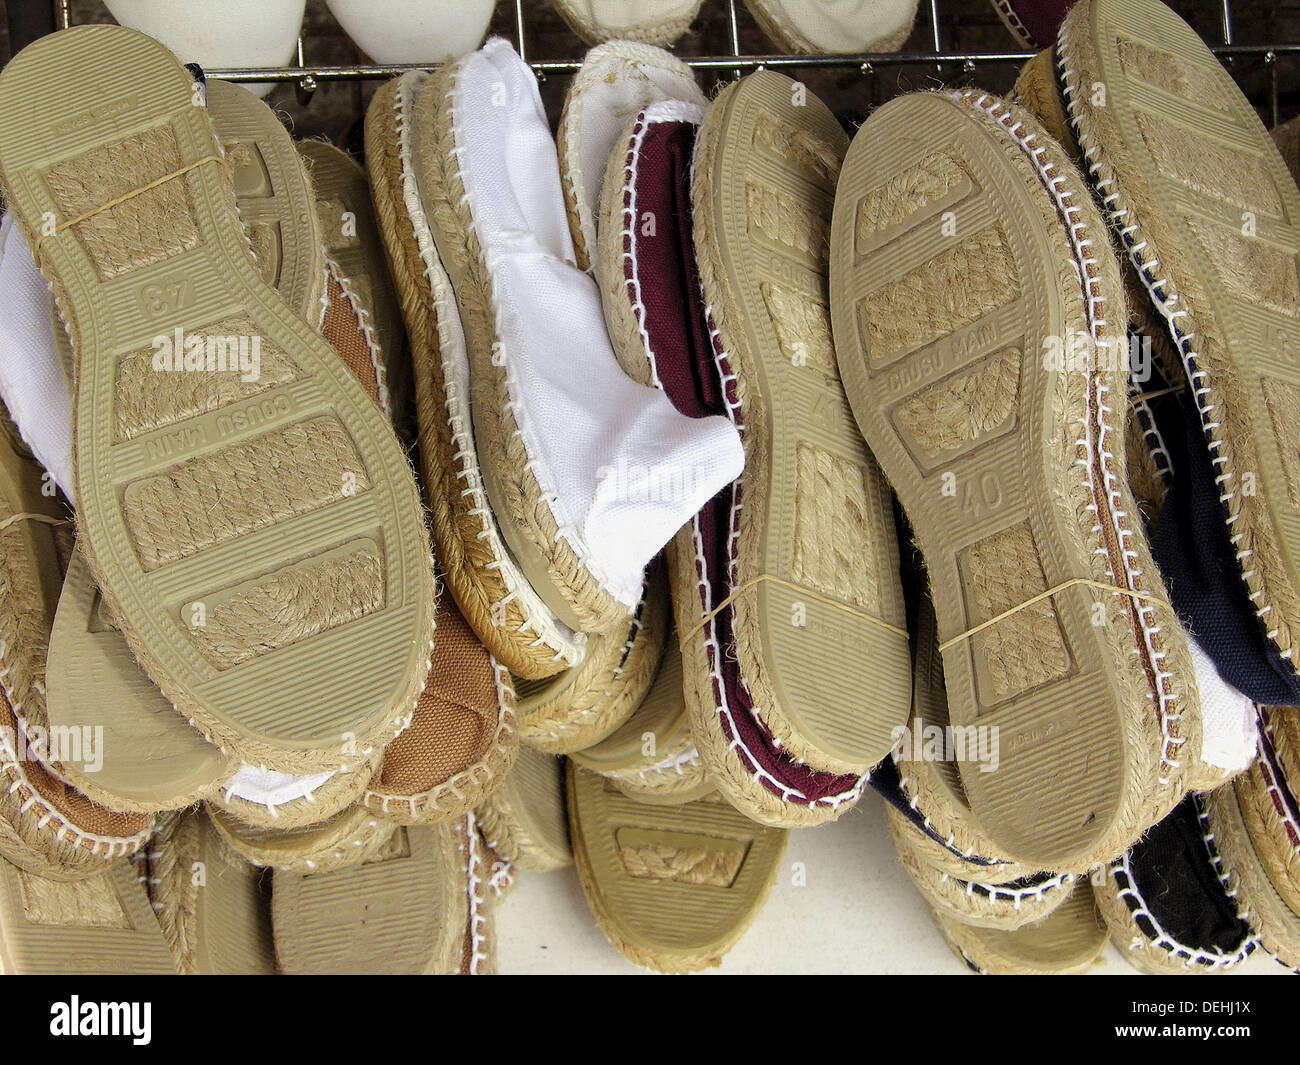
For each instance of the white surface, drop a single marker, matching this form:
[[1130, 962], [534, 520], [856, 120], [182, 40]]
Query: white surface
[[414, 31], [858, 913]]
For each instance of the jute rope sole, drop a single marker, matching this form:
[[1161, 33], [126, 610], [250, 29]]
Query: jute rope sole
[[579, 16], [348, 838], [1267, 798], [524, 821], [306, 469]]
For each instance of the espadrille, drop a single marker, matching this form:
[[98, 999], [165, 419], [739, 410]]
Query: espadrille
[[796, 561], [266, 798], [1270, 806], [350, 837], [922, 781], [46, 826], [1166, 900], [835, 26], [524, 820], [616, 80], [246, 33], [489, 587], [672, 887], [1275, 924], [1200, 201], [1287, 139], [583, 705], [652, 757], [214, 908], [1067, 941], [351, 236], [239, 610], [1038, 92], [414, 31], [646, 21], [588, 474], [407, 911], [101, 924], [1007, 454], [1009, 905], [1034, 23]]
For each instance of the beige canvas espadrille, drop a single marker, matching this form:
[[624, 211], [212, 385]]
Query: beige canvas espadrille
[[490, 589], [798, 557], [815, 27], [249, 612], [953, 271], [1204, 207], [350, 837], [214, 908], [1247, 879], [646, 21], [672, 887], [524, 820], [1069, 940], [652, 757], [583, 705], [416, 907], [616, 80], [102, 924]]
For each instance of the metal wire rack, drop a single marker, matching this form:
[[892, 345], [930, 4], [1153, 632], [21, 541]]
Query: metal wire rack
[[944, 57]]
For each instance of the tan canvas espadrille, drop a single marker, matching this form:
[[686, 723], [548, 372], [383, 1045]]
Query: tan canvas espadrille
[[672, 887], [257, 535], [350, 837], [583, 705], [952, 270], [416, 907], [347, 224], [616, 80], [489, 587], [798, 557], [652, 757], [101, 924], [1167, 900], [1269, 799], [1067, 941], [814, 27], [524, 820], [1247, 879], [213, 907], [1008, 905], [647, 21], [1203, 206]]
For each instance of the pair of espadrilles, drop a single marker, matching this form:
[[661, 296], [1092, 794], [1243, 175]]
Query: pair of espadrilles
[[381, 754], [1105, 499]]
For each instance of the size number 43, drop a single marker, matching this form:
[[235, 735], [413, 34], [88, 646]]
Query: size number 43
[[166, 297]]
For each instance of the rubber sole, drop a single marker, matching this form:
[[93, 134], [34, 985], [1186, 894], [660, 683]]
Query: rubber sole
[[524, 820], [672, 887], [346, 839], [1210, 217], [150, 758], [274, 195], [1069, 940], [198, 513], [940, 335], [828, 680], [101, 925], [401, 913], [214, 911]]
